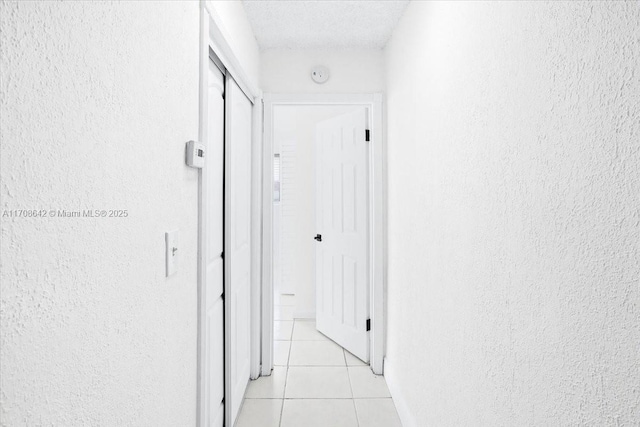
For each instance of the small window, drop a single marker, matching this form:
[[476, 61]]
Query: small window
[[276, 177]]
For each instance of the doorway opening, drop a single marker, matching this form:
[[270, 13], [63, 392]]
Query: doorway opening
[[302, 171], [322, 230]]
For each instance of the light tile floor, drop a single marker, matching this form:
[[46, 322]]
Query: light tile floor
[[315, 383]]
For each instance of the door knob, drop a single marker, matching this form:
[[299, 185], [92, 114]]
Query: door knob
[[318, 237]]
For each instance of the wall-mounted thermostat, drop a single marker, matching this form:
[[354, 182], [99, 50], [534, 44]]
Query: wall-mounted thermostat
[[320, 74], [195, 154]]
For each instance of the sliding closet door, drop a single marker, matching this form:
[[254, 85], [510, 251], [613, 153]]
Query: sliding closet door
[[237, 246]]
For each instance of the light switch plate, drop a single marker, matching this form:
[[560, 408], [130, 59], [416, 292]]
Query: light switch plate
[[171, 239]]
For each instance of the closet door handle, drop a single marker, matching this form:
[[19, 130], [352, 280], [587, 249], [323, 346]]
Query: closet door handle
[[318, 237]]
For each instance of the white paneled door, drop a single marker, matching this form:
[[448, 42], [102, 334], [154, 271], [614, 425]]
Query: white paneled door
[[341, 195], [237, 247], [213, 176]]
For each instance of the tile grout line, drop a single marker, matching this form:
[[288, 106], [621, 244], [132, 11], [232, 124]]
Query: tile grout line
[[353, 400], [286, 375], [282, 404], [290, 344]]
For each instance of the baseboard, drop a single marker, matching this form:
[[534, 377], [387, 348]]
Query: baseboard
[[398, 398], [304, 314]]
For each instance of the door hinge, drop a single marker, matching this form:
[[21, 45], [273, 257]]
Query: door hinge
[[368, 324], [367, 135]]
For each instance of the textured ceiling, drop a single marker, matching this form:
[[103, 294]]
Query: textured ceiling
[[307, 24]]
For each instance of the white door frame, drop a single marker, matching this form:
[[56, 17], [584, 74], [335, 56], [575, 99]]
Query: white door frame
[[212, 38], [376, 214]]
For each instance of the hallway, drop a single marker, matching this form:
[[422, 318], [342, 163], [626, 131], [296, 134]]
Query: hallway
[[450, 189], [315, 383]]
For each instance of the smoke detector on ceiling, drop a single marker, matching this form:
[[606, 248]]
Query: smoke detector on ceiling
[[320, 74]]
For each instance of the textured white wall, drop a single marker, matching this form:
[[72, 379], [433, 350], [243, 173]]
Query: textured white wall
[[98, 99], [514, 221], [351, 71]]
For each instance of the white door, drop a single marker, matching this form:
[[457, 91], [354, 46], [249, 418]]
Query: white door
[[237, 247], [213, 178], [341, 194]]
